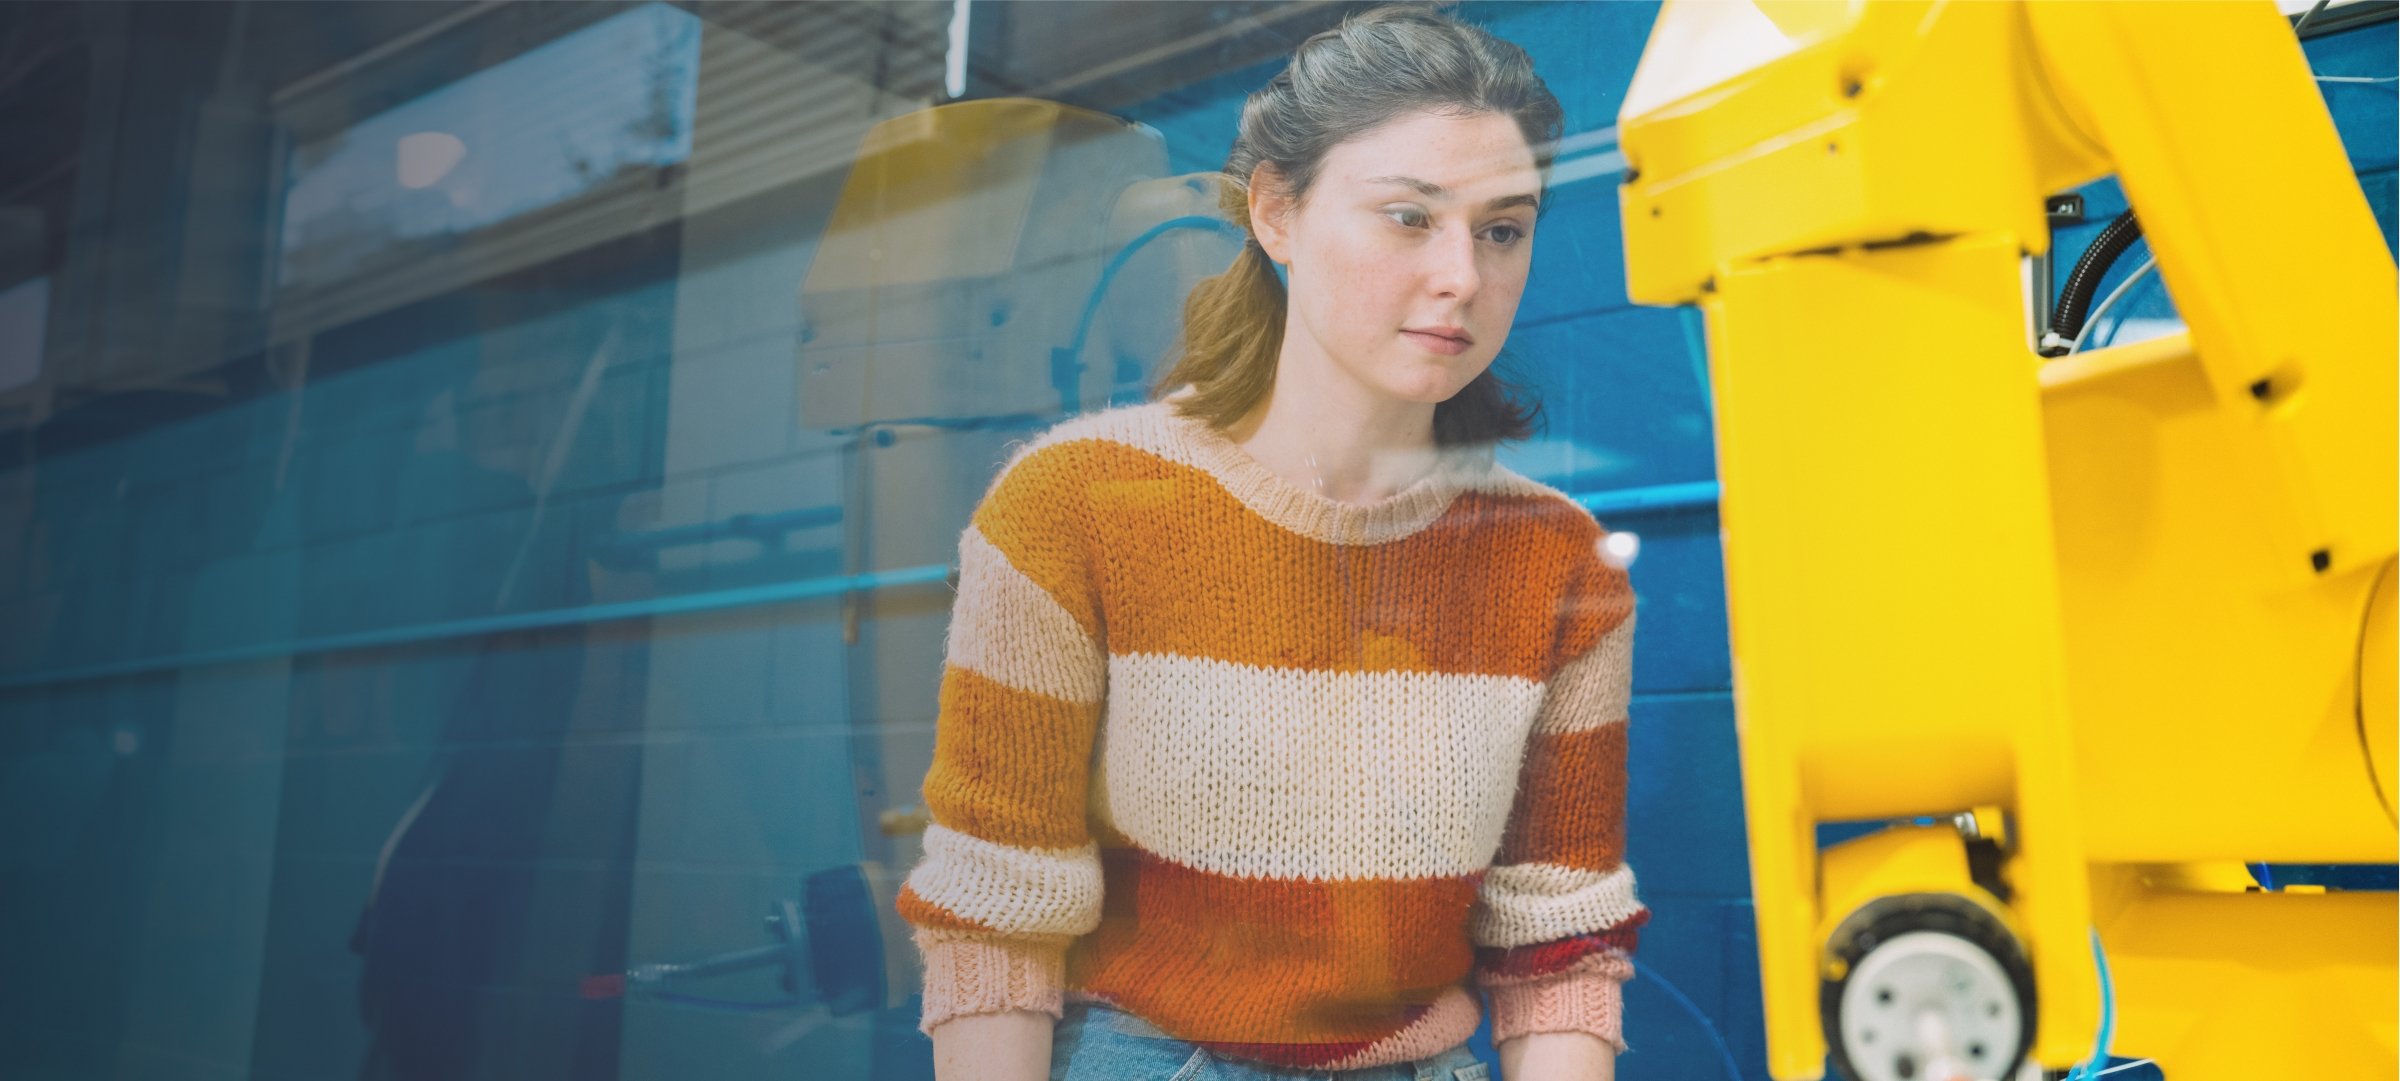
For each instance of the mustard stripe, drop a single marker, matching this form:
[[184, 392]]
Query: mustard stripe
[[1570, 800], [1156, 430], [1598, 600], [1184, 948], [1009, 765]]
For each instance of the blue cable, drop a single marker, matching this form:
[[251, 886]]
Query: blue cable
[[1724, 1054], [2108, 1017], [1065, 359], [1124, 255]]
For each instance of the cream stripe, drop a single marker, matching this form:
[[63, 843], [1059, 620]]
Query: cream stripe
[[1009, 628], [1300, 774], [1593, 689], [1010, 890], [1526, 903]]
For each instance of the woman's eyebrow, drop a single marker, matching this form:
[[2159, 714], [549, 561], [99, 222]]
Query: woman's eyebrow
[[1432, 190]]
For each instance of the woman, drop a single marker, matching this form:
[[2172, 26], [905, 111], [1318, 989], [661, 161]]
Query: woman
[[1278, 719]]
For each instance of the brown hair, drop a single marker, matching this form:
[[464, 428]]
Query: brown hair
[[1340, 84]]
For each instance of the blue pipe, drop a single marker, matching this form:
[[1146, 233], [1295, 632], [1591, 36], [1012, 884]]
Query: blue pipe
[[764, 528], [1664, 497], [1658, 497], [483, 625], [1066, 361]]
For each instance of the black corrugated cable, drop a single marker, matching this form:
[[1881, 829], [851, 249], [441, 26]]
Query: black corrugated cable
[[2067, 319]]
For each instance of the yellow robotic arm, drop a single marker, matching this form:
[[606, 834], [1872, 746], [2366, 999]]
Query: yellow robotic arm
[[2122, 619]]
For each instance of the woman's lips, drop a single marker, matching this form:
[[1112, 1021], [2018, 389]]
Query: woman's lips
[[1435, 343]]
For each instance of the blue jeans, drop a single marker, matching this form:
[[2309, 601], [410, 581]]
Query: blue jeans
[[1097, 1043]]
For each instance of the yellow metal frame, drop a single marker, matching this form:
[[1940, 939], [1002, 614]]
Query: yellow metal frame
[[2130, 596]]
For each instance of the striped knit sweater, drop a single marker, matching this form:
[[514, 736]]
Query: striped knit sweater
[[1178, 770]]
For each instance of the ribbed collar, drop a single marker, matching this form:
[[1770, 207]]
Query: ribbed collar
[[1305, 512]]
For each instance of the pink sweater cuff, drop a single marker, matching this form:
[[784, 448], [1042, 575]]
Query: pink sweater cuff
[[969, 976], [1588, 997]]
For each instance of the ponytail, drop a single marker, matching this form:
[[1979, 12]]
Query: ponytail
[[1232, 337]]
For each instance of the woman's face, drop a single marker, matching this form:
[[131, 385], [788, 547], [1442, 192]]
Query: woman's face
[[1408, 255]]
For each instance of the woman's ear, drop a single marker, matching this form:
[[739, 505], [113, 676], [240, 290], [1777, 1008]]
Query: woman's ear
[[1270, 212]]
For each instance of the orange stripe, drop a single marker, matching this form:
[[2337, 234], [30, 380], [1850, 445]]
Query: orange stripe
[[1598, 598], [1570, 807], [1032, 514], [1218, 958], [1010, 766], [1469, 578]]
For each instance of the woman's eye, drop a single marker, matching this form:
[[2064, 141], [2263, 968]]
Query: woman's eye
[[1505, 235]]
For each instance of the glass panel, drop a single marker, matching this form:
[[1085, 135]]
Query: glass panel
[[486, 482]]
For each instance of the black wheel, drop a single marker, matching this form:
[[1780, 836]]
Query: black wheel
[[1918, 977]]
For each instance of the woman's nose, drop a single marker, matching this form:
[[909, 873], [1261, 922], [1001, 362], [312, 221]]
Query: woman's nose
[[1454, 272]]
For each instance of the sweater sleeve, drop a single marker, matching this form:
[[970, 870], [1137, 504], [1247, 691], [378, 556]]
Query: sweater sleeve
[[1010, 874], [1556, 917]]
